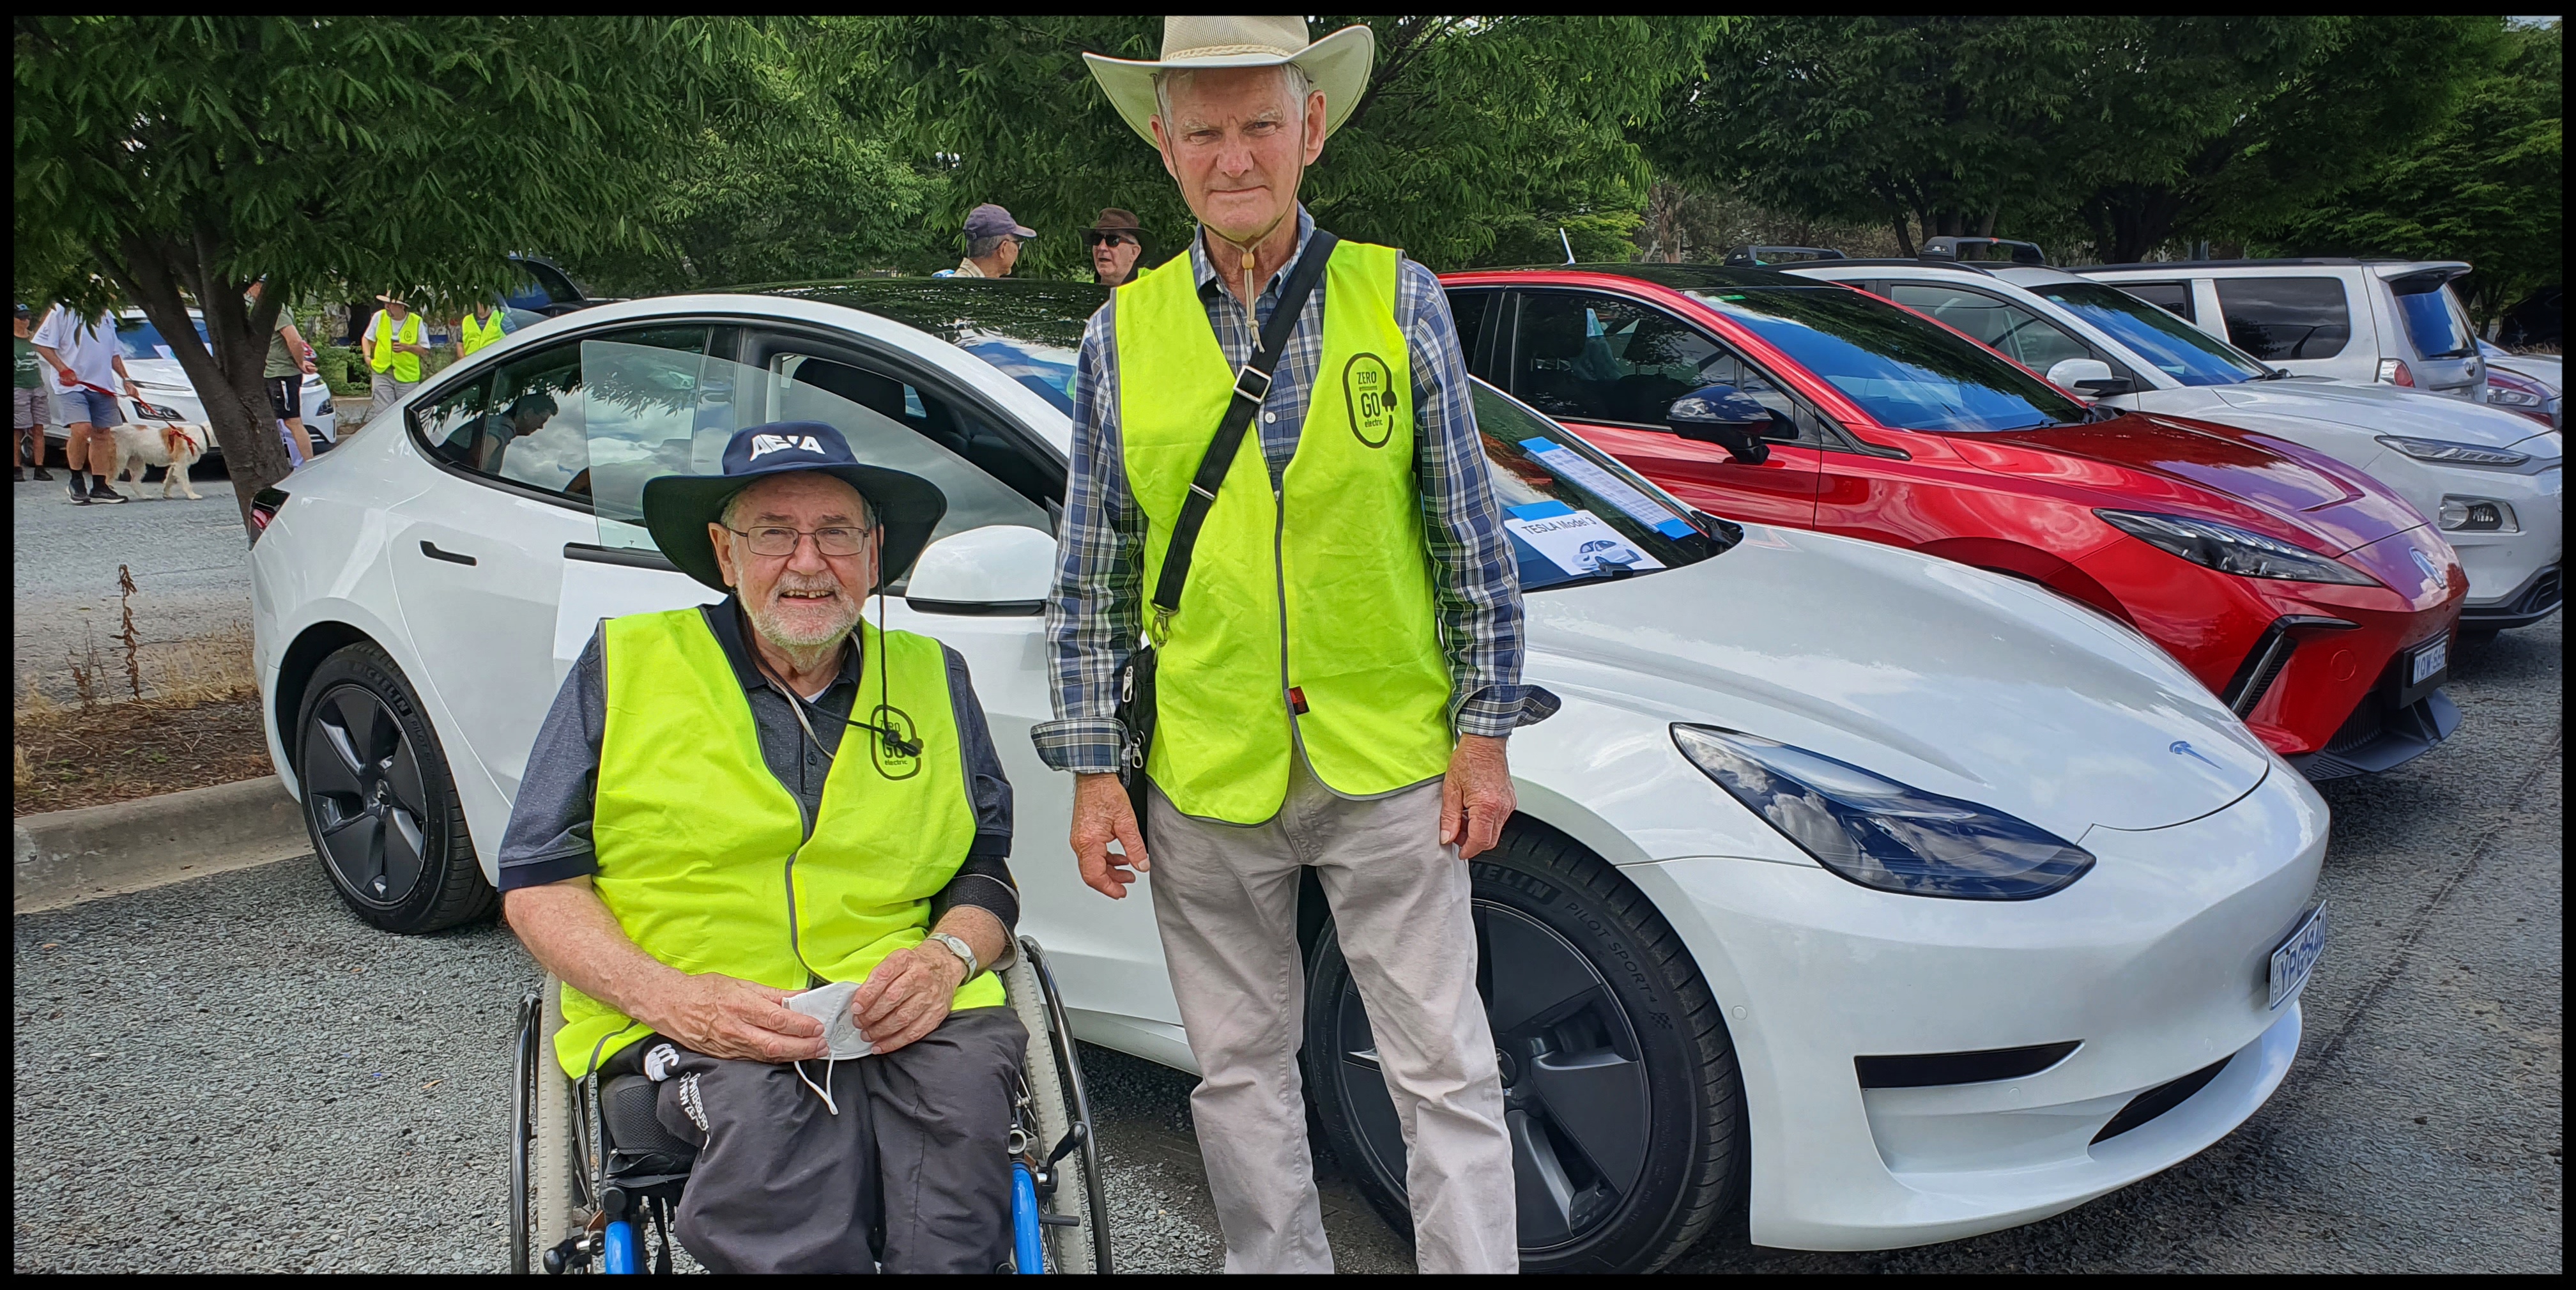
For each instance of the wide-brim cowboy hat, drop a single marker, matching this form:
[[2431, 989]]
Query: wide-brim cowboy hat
[[678, 508], [1338, 64]]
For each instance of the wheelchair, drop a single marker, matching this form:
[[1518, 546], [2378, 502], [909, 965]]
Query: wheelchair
[[593, 1170]]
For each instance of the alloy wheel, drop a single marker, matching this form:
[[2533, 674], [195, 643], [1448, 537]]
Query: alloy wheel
[[1575, 1092], [364, 791]]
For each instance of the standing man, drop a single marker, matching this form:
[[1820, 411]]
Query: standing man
[[1344, 663], [1116, 241], [394, 345], [290, 360], [992, 244], [88, 368], [27, 403], [484, 326]]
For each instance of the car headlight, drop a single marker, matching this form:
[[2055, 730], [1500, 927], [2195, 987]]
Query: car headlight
[[2229, 549], [2444, 452], [1879, 833], [2478, 515], [2507, 396]]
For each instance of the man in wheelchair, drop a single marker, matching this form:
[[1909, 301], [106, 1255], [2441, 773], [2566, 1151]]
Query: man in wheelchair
[[759, 838]]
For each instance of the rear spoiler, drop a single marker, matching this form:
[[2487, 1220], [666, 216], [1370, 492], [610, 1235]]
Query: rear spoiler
[[1751, 257], [1949, 248]]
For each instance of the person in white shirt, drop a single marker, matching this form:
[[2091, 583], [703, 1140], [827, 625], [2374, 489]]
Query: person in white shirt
[[88, 368]]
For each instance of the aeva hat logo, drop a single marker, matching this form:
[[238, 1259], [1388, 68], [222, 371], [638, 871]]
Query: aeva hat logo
[[764, 444]]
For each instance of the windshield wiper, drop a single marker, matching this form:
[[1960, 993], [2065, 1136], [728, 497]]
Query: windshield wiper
[[2274, 374]]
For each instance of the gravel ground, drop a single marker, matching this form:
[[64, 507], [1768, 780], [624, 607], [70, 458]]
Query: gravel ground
[[191, 572], [233, 1074]]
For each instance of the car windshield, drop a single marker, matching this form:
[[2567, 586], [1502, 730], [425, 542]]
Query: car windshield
[[1575, 515], [1904, 371], [2174, 347], [141, 340], [1031, 331]]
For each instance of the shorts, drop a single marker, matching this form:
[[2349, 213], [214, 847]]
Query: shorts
[[285, 396], [27, 407], [81, 403]]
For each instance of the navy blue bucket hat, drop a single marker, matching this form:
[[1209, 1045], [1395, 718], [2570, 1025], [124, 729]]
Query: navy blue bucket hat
[[678, 508]]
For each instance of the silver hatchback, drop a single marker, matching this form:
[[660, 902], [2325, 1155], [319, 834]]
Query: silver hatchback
[[2391, 321]]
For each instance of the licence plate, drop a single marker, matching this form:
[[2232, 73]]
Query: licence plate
[[2428, 660], [2297, 955]]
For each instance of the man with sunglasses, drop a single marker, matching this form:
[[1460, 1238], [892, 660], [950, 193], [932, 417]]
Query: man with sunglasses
[[738, 803], [1117, 242]]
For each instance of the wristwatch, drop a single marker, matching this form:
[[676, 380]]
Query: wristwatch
[[964, 952]]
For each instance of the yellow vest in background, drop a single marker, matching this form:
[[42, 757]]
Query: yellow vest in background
[[1318, 596], [402, 367], [472, 336]]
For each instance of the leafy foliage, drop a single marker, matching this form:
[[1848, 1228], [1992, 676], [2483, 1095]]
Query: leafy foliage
[[170, 159], [1476, 140], [2487, 187]]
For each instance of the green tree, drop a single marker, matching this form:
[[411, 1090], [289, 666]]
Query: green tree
[[1476, 140], [171, 161], [781, 187], [2486, 187]]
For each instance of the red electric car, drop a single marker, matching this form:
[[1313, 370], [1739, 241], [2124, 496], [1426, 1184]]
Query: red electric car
[[2314, 601]]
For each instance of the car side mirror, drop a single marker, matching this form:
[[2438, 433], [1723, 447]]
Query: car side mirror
[[1725, 416], [2090, 377], [999, 569]]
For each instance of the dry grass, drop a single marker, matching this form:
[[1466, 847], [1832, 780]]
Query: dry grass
[[196, 722]]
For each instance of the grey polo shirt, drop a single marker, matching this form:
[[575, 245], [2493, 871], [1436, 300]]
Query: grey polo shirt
[[549, 838]]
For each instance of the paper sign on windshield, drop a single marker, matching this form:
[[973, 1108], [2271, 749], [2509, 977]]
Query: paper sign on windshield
[[1567, 465], [1579, 543]]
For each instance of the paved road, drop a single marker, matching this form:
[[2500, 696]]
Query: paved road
[[191, 572], [233, 1074]]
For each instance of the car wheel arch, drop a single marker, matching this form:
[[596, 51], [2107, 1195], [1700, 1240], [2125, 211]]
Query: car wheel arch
[[295, 668]]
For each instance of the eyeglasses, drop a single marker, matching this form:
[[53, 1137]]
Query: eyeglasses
[[1109, 239], [781, 540]]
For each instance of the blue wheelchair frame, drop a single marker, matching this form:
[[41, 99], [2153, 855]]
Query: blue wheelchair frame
[[642, 1185]]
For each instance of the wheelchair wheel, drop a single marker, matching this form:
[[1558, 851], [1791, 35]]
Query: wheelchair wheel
[[549, 1181], [1077, 1211]]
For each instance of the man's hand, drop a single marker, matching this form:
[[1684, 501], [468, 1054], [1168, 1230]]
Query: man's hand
[[1477, 796], [727, 1017], [1101, 815], [908, 995]]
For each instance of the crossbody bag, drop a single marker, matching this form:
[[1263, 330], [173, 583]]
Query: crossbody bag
[[1136, 678]]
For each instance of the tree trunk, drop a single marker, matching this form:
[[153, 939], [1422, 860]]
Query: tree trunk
[[227, 380], [1904, 237]]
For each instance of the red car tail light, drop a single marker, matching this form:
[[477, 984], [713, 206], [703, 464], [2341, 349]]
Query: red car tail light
[[263, 508], [2393, 371]]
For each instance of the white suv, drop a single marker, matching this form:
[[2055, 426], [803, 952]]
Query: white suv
[[2489, 478], [2389, 321]]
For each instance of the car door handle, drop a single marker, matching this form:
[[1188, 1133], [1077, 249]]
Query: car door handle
[[431, 550]]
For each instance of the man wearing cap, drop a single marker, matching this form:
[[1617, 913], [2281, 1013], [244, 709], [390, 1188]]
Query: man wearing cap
[[1343, 663], [992, 244], [737, 803], [1116, 240], [394, 344]]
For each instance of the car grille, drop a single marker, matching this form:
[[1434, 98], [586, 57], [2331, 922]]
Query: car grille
[[1930, 1070]]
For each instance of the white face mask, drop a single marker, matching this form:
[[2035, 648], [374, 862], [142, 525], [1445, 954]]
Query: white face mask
[[842, 1038]]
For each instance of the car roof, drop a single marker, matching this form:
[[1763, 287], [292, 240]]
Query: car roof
[[1678, 277], [2386, 267], [1033, 311]]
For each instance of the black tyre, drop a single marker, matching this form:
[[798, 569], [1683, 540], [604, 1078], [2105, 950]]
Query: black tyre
[[378, 800], [1619, 1081]]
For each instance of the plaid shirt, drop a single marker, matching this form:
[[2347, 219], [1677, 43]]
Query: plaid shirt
[[1097, 612]]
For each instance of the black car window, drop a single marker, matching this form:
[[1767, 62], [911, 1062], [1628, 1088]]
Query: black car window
[[2007, 328], [2172, 297], [1469, 307], [2292, 318], [1573, 513], [540, 419], [1592, 357]]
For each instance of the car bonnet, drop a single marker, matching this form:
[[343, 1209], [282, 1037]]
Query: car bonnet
[[1942, 676], [2381, 409], [2145, 462]]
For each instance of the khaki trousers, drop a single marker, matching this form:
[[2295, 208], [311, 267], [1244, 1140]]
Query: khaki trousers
[[1225, 899]]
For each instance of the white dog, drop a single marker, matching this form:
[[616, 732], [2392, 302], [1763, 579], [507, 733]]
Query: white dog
[[173, 446]]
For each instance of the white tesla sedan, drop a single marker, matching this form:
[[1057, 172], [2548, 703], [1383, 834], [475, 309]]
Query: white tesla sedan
[[1898, 900]]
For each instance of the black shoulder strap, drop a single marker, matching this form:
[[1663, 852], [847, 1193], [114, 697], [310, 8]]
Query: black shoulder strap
[[1249, 386]]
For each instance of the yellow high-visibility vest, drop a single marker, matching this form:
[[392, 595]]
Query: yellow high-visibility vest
[[471, 335], [703, 855], [1307, 620], [402, 367]]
